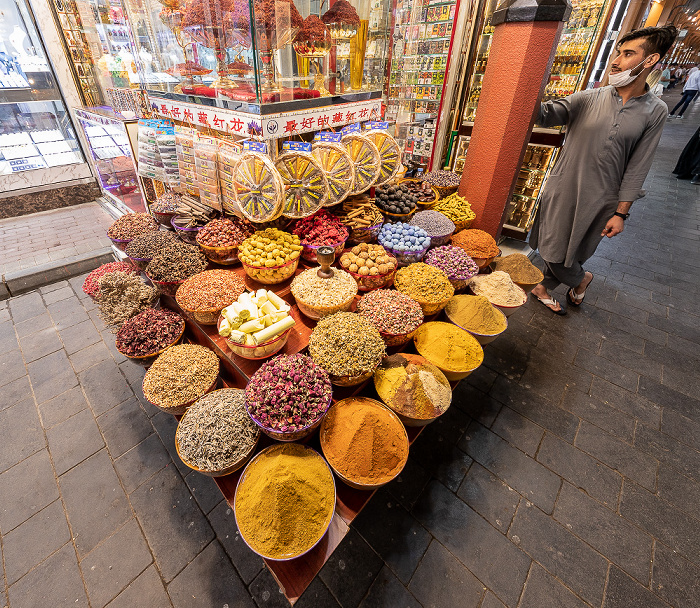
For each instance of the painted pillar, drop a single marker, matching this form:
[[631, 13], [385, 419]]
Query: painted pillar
[[520, 60], [655, 11]]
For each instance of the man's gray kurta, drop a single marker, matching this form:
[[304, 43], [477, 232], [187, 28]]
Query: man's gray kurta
[[605, 159]]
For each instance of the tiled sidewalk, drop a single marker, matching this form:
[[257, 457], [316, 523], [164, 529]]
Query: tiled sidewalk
[[50, 236], [566, 474]]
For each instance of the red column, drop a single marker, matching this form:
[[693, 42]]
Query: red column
[[518, 69]]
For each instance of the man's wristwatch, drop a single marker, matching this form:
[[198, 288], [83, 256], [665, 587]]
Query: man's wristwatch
[[624, 216]]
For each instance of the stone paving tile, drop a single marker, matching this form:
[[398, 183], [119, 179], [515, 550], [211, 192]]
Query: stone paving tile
[[15, 391], [107, 510], [204, 490], [87, 357], [387, 590], [662, 520], [55, 582], [141, 462], [8, 338], [33, 541], [209, 580], [515, 468], [560, 552], [105, 568], [67, 313], [266, 593], [489, 497], [60, 408], [171, 519], [74, 440], [633, 404], [247, 563], [124, 426], [51, 375], [623, 591], [667, 397], [495, 561], [542, 590], [26, 307], [79, 336], [394, 534], [605, 531], [352, 555], [59, 294], [620, 456], [666, 449], [25, 489], [675, 579], [407, 487], [600, 414], [146, 590], [166, 425], [36, 345], [678, 489], [104, 386], [442, 581], [22, 433], [11, 367], [518, 430]]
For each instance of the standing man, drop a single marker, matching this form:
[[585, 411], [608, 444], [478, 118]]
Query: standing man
[[690, 90], [665, 78], [612, 134], [674, 79]]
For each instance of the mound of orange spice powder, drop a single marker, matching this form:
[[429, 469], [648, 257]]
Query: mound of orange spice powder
[[477, 243]]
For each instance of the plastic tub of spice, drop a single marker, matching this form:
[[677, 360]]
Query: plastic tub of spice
[[478, 316], [187, 233], [120, 243], [427, 285], [456, 352], [319, 230], [500, 290], [521, 270], [264, 521], [216, 436], [91, 285], [394, 314], [364, 442], [179, 376], [348, 347], [413, 387], [292, 412], [128, 227], [207, 293], [309, 251], [319, 297], [406, 243], [145, 336], [175, 263]]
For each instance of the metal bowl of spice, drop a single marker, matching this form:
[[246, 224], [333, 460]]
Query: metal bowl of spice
[[216, 436], [478, 316], [394, 314], [145, 336], [348, 347], [265, 518], [179, 376], [455, 351], [288, 396], [414, 388], [319, 297], [207, 293], [364, 442]]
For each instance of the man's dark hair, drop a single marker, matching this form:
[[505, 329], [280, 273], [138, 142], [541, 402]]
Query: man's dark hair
[[656, 39]]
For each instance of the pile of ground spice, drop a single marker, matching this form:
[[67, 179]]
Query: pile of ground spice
[[424, 283], [519, 267], [499, 288], [285, 501], [412, 387], [477, 243], [341, 12], [363, 441], [448, 347], [476, 314]]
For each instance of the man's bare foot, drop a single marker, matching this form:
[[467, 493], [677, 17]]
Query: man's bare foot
[[581, 287], [541, 293]]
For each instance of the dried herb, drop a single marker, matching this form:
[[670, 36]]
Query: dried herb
[[216, 432], [176, 262], [144, 247], [123, 295], [391, 311], [90, 284], [149, 332], [288, 393], [131, 225]]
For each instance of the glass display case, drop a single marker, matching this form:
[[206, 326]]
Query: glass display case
[[111, 144], [294, 55], [35, 130]]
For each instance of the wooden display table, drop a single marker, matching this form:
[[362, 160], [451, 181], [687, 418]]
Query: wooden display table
[[293, 576]]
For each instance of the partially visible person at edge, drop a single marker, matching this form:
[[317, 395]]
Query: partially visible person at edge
[[688, 165], [612, 134], [690, 90]]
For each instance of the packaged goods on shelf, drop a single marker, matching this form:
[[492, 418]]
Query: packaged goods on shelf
[[206, 171], [184, 146]]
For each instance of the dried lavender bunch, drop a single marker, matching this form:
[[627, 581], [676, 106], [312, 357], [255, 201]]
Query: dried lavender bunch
[[121, 296]]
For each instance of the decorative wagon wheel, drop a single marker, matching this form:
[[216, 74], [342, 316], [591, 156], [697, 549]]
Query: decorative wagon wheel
[[389, 155], [339, 169], [365, 158], [258, 187], [306, 186]]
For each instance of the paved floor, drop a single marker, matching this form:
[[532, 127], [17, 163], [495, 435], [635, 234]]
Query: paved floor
[[51, 236], [566, 475]]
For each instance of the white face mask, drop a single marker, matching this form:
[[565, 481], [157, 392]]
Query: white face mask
[[622, 79]]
